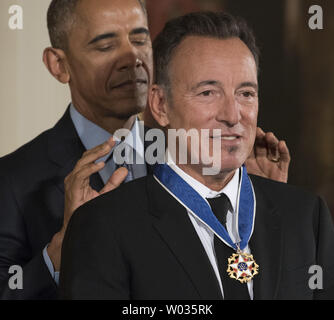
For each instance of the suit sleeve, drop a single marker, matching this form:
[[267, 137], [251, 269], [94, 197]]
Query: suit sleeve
[[325, 251], [15, 250], [92, 263]]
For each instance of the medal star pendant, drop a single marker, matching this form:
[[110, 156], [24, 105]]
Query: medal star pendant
[[242, 267]]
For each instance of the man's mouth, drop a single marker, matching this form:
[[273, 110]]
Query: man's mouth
[[226, 137], [130, 83]]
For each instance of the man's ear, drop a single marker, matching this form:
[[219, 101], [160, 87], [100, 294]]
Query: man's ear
[[157, 103], [55, 62]]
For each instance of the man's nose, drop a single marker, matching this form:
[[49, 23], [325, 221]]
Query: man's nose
[[229, 111], [129, 58]]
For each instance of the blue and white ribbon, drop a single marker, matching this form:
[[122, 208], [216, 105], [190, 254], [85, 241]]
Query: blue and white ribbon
[[193, 202]]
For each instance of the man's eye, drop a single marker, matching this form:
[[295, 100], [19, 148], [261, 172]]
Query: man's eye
[[248, 94], [139, 40], [104, 49], [206, 93]]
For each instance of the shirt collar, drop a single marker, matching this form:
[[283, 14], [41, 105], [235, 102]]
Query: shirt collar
[[91, 135], [230, 190]]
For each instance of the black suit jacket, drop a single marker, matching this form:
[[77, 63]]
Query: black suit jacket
[[137, 242], [32, 206]]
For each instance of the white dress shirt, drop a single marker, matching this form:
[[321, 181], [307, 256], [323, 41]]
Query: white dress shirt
[[205, 234]]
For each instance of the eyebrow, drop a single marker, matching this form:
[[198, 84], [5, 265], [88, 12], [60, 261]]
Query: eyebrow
[[139, 31], [249, 84], [218, 83], [103, 36], [206, 83], [110, 35]]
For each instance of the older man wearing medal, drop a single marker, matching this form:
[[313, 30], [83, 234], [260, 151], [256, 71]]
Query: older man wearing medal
[[195, 229]]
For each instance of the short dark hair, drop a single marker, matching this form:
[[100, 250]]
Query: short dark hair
[[60, 18], [207, 24]]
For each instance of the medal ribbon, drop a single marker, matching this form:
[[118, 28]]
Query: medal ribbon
[[192, 201]]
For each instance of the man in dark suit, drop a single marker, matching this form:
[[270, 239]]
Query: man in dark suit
[[102, 50], [184, 228]]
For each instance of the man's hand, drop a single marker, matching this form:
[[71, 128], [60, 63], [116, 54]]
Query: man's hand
[[270, 158], [78, 191], [77, 188]]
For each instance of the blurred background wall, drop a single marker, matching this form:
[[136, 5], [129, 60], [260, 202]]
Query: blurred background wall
[[30, 99], [296, 78]]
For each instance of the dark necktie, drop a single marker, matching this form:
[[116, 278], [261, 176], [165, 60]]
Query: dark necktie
[[233, 289], [129, 177]]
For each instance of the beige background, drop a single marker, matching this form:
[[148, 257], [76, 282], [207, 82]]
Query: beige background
[[31, 100]]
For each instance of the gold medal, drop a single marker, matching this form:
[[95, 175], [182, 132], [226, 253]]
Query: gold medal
[[242, 267]]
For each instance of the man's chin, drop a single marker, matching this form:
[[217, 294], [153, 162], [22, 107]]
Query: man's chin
[[126, 113], [223, 167]]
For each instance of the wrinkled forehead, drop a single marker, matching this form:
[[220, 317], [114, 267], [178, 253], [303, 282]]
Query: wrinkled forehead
[[96, 17], [118, 12], [198, 57]]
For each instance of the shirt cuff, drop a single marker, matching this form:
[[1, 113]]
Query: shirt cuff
[[48, 262]]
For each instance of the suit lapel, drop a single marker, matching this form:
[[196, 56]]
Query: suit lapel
[[265, 246], [65, 149], [149, 167], [176, 229]]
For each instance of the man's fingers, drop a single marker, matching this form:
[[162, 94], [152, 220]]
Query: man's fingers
[[115, 180], [259, 133], [94, 154], [284, 154], [260, 145], [284, 161], [272, 143], [76, 180]]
